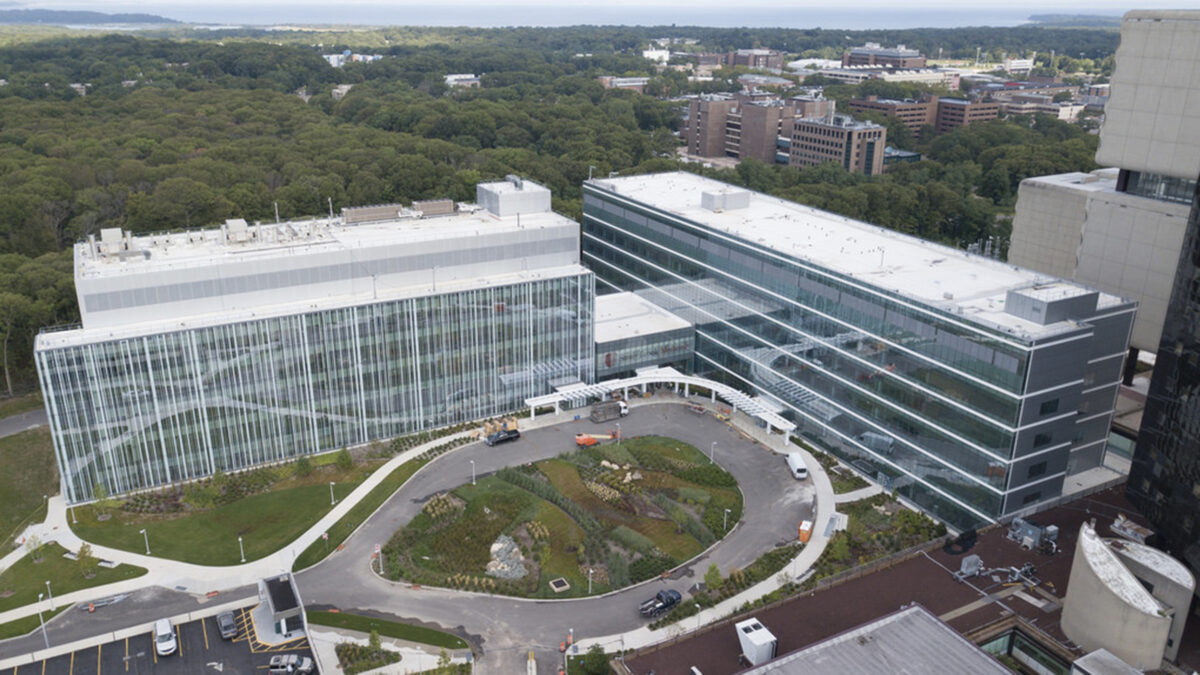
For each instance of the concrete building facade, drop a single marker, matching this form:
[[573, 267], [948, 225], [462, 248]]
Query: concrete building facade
[[221, 349], [970, 387], [1121, 230], [856, 146]]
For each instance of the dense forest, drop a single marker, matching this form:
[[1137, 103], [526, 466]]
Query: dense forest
[[177, 133]]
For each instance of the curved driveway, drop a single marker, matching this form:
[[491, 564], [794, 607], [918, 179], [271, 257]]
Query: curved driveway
[[507, 628]]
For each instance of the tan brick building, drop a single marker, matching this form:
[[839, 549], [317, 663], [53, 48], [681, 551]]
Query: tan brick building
[[857, 146]]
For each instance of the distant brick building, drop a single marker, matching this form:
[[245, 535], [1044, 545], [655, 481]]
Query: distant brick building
[[944, 114], [953, 113]]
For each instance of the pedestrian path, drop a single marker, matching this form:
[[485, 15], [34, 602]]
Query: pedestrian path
[[861, 493]]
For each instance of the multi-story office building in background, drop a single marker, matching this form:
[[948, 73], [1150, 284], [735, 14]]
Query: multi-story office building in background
[[225, 348], [875, 54], [970, 386]]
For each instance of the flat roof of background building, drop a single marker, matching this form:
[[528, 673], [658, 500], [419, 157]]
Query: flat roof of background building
[[970, 286], [910, 640], [623, 315]]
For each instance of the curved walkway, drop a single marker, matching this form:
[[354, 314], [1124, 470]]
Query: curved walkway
[[774, 504]]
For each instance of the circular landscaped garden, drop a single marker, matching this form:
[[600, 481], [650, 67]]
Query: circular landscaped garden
[[623, 512]]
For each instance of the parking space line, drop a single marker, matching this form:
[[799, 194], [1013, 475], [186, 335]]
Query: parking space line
[[127, 655], [204, 627], [98, 659], [179, 639], [155, 646], [71, 671]]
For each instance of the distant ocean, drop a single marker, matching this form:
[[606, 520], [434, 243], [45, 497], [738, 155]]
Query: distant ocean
[[501, 14]]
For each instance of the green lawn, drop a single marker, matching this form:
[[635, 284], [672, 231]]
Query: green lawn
[[395, 629], [28, 624], [27, 473], [266, 522], [19, 404], [27, 578], [317, 551]]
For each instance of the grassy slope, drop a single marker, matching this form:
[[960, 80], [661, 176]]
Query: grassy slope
[[387, 628], [27, 472], [27, 578]]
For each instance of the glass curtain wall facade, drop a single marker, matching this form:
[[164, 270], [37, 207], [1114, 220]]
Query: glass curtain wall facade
[[173, 406], [930, 406]]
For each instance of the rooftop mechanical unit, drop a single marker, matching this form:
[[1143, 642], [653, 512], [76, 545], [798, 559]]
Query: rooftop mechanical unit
[[758, 644]]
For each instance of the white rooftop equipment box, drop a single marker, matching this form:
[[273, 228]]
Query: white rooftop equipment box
[[758, 644]]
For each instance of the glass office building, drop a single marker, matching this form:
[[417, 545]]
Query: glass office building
[[971, 387], [395, 345]]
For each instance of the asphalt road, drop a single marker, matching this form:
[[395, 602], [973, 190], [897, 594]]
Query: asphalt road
[[140, 608], [22, 422], [507, 628]]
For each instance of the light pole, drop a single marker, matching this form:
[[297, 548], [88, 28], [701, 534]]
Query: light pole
[[618, 432], [725, 520], [242, 548], [589, 581], [332, 501], [42, 621], [50, 594], [712, 451], [472, 472], [698, 622], [146, 537], [73, 520]]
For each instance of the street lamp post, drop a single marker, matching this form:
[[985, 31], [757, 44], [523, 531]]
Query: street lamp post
[[589, 581], [146, 537], [50, 594], [618, 432], [42, 621], [472, 472], [242, 548], [725, 521], [712, 451], [332, 501], [698, 621]]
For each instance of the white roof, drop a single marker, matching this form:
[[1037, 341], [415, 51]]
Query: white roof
[[623, 315], [970, 286], [203, 248], [1109, 570], [1154, 559]]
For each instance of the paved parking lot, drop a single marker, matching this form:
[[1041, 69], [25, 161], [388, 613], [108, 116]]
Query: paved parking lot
[[201, 650]]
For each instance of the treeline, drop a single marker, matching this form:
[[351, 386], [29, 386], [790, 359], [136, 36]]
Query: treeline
[[215, 131]]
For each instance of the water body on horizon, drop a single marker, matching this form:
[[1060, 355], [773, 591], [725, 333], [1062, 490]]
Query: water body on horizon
[[350, 13]]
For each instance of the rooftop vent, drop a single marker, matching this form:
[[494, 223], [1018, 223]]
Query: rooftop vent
[[724, 200]]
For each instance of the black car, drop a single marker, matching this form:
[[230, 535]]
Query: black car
[[502, 436], [227, 625]]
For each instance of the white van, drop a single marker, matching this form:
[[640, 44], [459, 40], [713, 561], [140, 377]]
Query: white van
[[164, 638], [796, 465]]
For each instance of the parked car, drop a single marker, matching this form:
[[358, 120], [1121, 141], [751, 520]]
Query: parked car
[[227, 625], [502, 436], [661, 603], [287, 664], [164, 638]]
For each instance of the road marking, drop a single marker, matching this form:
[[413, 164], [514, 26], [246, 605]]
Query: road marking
[[179, 639], [155, 646], [127, 655], [204, 627], [71, 671], [98, 659], [218, 666]]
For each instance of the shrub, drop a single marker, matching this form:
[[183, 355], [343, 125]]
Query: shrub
[[633, 540], [618, 570], [648, 459], [695, 495], [303, 466], [344, 461], [707, 474], [551, 494], [648, 567]]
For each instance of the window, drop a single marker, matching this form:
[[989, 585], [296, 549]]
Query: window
[[1031, 498], [1049, 407], [1041, 440], [1036, 470]]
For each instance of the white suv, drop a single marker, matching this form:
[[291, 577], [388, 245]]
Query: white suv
[[164, 638]]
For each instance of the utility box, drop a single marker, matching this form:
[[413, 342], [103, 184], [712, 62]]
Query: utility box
[[758, 644]]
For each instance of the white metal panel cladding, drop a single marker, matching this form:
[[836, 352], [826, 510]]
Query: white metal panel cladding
[[159, 409]]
